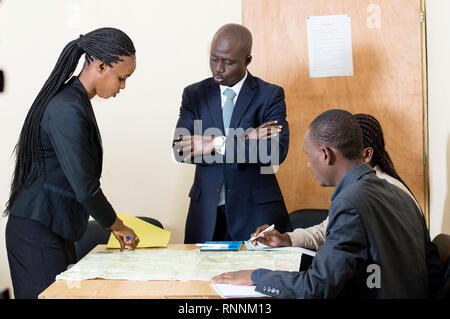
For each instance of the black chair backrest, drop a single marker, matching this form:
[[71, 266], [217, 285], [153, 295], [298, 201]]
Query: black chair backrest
[[442, 241], [152, 221], [445, 289], [4, 294], [96, 235], [304, 218]]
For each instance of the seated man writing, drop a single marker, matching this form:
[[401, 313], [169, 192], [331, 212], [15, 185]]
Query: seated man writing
[[375, 155], [376, 244]]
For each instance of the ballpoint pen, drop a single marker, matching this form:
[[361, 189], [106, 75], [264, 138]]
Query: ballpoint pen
[[270, 228]]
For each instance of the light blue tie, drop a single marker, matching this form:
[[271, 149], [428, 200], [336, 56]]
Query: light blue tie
[[227, 112]]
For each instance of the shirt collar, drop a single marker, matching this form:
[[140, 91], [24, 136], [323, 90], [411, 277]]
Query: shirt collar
[[236, 88], [378, 170], [352, 176]]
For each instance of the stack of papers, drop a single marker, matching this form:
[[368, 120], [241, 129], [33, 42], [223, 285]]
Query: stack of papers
[[234, 291], [260, 246]]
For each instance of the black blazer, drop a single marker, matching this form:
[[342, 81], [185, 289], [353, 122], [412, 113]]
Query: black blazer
[[68, 190], [377, 246]]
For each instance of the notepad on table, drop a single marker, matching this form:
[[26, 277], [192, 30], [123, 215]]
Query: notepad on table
[[221, 246], [261, 246]]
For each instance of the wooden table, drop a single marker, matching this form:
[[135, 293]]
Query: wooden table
[[119, 289]]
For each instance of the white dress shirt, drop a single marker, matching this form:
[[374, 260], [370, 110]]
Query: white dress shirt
[[219, 142]]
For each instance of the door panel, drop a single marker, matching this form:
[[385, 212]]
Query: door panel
[[387, 81]]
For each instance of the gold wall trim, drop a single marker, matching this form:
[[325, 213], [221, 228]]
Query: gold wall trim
[[426, 166]]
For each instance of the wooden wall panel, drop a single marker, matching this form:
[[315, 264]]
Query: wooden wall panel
[[387, 81]]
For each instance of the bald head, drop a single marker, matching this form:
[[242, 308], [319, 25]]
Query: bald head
[[231, 50], [237, 34]]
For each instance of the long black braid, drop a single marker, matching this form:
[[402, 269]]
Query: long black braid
[[373, 137], [105, 45]]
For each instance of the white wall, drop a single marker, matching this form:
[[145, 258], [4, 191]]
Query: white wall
[[172, 40], [438, 26]]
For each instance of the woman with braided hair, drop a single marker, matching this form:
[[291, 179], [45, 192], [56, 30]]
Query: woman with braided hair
[[55, 185], [374, 154]]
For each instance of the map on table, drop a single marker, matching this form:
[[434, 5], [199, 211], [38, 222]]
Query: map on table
[[166, 264]]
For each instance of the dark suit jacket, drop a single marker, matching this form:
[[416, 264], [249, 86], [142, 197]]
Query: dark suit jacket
[[252, 198], [375, 232], [69, 189]]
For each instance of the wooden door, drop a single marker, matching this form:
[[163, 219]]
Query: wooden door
[[387, 81]]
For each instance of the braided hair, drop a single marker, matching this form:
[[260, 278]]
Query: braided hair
[[373, 137], [106, 45]]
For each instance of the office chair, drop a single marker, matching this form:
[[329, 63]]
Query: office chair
[[442, 241], [4, 294], [304, 218], [96, 235]]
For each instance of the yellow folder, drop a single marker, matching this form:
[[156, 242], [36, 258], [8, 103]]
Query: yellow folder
[[149, 235]]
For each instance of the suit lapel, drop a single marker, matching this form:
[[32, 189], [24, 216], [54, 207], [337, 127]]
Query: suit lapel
[[243, 100], [90, 112], [99, 137], [215, 104], [88, 107]]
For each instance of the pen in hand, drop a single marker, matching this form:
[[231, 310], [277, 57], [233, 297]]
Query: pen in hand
[[270, 228]]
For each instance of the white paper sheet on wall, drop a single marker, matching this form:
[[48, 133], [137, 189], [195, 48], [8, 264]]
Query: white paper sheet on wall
[[329, 45]]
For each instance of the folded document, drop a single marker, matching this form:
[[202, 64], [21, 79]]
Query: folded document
[[149, 235]]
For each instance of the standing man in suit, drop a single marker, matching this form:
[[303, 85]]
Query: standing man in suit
[[233, 127]]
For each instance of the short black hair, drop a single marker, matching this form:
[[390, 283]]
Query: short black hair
[[340, 130]]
